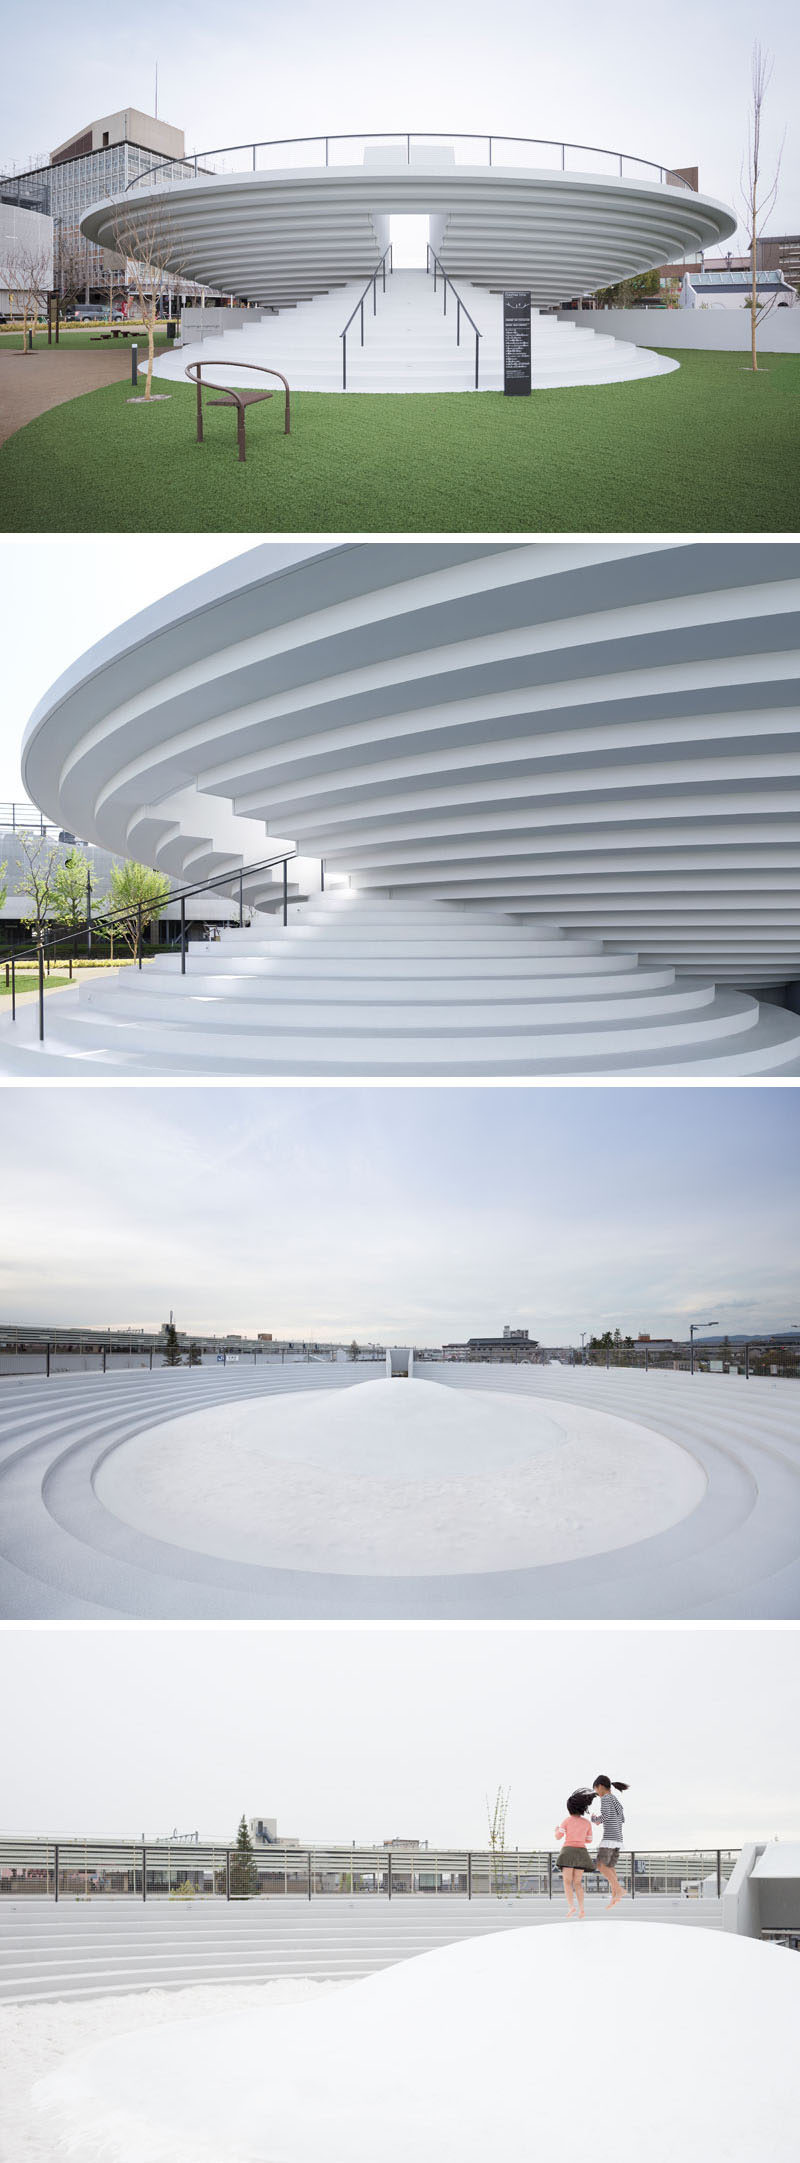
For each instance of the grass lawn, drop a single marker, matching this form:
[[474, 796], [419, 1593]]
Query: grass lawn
[[27, 977], [28, 980], [709, 448], [72, 340]]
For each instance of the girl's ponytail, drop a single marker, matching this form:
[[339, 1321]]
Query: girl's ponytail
[[602, 1780]]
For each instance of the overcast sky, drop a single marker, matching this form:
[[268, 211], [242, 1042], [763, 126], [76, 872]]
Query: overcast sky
[[673, 88], [409, 1214], [57, 597], [367, 1734]]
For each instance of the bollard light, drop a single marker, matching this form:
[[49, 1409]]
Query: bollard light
[[134, 363]]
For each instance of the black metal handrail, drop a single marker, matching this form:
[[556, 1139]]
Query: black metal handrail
[[461, 306], [667, 177], [373, 282], [50, 940]]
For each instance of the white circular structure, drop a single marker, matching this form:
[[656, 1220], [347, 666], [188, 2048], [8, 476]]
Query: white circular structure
[[303, 239], [591, 749], [407, 2062], [400, 1482], [106, 1510], [279, 236]]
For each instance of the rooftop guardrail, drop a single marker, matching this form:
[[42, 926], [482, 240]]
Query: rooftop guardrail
[[63, 1869], [337, 150]]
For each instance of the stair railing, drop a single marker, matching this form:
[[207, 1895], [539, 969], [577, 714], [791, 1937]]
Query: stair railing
[[440, 276], [371, 284], [138, 914]]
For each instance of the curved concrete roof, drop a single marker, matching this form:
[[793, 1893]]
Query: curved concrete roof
[[600, 737], [276, 237]]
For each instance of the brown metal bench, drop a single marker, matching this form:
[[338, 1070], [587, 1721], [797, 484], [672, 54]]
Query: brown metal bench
[[240, 399]]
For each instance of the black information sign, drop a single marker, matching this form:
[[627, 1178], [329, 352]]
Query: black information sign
[[517, 344]]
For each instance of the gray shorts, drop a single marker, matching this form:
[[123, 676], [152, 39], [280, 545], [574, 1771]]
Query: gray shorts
[[609, 1856]]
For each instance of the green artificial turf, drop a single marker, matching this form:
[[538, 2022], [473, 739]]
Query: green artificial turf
[[72, 341], [27, 980], [708, 448]]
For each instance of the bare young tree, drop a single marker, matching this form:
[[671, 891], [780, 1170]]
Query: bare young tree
[[496, 1813], [758, 193], [70, 270], [26, 271], [149, 246], [37, 884]]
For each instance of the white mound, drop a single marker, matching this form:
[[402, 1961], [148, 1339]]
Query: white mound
[[36, 2039], [398, 1479], [590, 2041]]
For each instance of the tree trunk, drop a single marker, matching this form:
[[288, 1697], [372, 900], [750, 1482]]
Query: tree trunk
[[753, 292], [151, 349]]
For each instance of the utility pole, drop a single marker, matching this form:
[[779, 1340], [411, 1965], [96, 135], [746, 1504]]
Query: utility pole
[[692, 1327]]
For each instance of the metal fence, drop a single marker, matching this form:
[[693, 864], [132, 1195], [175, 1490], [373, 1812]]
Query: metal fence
[[20, 1359], [88, 1870], [24, 818], [756, 1357], [540, 152]]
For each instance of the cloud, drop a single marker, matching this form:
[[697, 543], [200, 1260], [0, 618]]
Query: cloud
[[405, 1212]]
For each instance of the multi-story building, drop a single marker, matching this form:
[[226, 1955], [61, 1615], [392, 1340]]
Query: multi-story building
[[26, 253], [101, 160], [514, 1344], [776, 251]]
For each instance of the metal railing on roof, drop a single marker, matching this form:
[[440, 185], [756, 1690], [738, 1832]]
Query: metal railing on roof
[[198, 161], [159, 1869], [24, 818]]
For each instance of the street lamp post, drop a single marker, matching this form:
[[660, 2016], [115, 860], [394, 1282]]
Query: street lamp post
[[692, 1327]]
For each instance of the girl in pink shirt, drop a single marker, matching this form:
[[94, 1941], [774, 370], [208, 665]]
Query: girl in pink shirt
[[576, 1833]]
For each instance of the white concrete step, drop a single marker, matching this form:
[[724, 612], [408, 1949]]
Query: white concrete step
[[410, 344], [64, 1554], [366, 986]]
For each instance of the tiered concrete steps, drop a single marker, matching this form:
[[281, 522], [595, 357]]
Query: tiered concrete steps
[[360, 985], [64, 1554], [60, 1551], [410, 344], [113, 1947]]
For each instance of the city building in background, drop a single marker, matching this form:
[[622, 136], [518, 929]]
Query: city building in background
[[102, 159], [514, 1344], [26, 251]]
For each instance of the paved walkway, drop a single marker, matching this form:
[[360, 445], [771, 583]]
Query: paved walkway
[[30, 383]]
